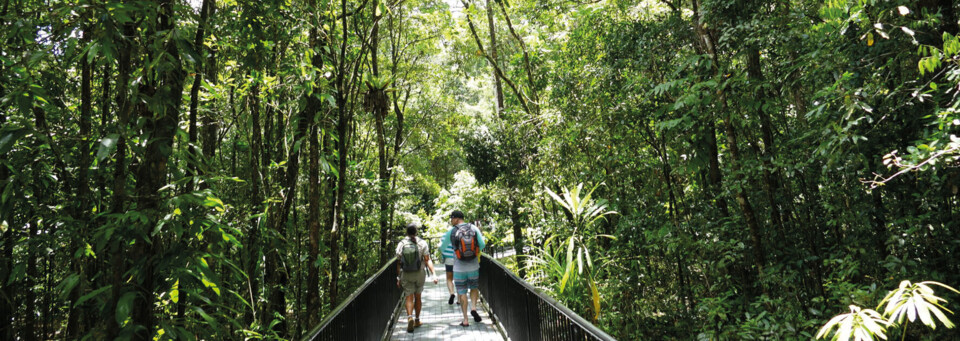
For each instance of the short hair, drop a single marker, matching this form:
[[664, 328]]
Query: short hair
[[456, 215], [412, 229]]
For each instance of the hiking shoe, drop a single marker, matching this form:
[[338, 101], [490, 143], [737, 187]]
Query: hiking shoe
[[476, 317], [417, 324], [450, 301], [410, 327]]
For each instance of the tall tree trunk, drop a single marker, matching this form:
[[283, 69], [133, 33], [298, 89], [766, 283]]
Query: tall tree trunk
[[73, 320], [708, 42], [28, 333], [714, 174], [343, 126], [313, 221], [7, 309], [497, 86], [378, 103], [532, 87], [193, 159], [276, 277], [210, 121], [770, 185], [252, 266], [314, 185], [151, 174], [6, 249]]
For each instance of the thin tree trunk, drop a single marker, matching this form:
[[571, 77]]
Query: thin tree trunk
[[28, 333], [152, 172], [378, 103], [526, 57], [313, 185], [313, 220], [253, 259], [770, 185], [6, 249], [193, 159], [498, 88], [276, 277], [343, 125], [732, 145], [73, 319]]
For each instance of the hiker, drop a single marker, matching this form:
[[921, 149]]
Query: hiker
[[412, 254], [446, 249], [467, 242]]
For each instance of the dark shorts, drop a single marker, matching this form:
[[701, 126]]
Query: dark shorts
[[449, 268]]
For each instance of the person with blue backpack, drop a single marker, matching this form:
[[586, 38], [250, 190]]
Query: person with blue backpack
[[466, 242], [412, 254]]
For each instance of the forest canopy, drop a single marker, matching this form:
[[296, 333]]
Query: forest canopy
[[234, 169]]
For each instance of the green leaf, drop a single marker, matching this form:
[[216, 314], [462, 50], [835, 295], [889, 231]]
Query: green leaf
[[596, 298], [175, 292], [9, 137], [92, 294], [66, 287], [125, 307], [210, 320], [107, 146], [569, 266]]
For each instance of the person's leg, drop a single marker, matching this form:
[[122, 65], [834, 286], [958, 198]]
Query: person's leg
[[473, 283], [421, 278], [409, 304], [474, 296], [409, 284], [449, 271], [417, 305], [461, 285], [463, 308]]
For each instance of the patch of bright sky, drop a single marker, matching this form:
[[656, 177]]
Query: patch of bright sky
[[651, 9], [456, 8]]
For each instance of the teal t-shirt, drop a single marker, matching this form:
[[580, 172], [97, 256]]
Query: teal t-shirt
[[459, 265]]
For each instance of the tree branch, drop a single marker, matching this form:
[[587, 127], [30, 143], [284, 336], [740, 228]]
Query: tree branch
[[496, 68]]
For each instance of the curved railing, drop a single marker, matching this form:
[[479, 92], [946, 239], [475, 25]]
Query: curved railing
[[527, 314], [365, 314]]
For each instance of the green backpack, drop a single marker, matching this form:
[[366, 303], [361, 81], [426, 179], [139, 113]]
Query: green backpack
[[410, 256]]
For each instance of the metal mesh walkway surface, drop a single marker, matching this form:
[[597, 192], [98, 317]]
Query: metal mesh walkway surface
[[441, 320]]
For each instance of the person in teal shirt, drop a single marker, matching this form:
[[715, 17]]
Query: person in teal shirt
[[448, 257], [466, 273]]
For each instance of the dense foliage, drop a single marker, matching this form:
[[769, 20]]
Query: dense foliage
[[228, 169]]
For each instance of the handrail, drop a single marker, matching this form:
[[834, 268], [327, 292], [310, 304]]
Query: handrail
[[528, 314], [363, 315]]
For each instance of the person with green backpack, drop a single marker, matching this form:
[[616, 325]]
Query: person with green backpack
[[412, 254]]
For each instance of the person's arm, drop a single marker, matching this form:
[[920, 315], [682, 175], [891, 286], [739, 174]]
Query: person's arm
[[433, 272], [480, 242], [444, 244], [399, 269]]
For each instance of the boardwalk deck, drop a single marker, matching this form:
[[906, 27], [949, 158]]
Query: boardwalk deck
[[441, 321]]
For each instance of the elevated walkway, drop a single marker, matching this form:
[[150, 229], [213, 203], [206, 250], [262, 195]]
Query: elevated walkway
[[512, 305], [441, 321]]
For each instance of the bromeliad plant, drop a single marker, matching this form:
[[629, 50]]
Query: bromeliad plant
[[583, 212], [910, 301]]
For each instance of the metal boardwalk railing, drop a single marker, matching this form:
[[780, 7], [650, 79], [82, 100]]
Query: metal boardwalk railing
[[524, 312], [528, 314], [365, 314]]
